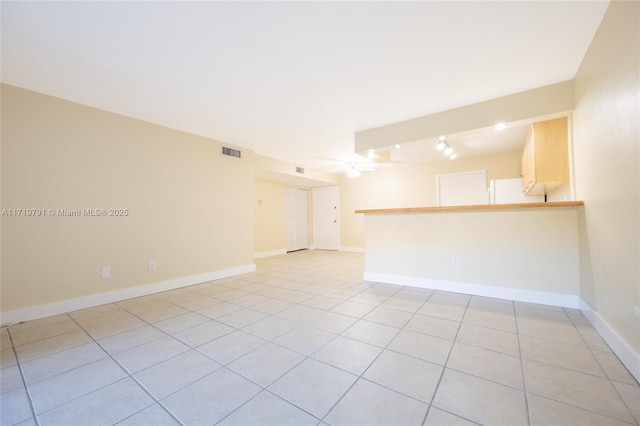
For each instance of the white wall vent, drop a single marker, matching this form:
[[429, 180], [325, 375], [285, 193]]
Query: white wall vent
[[230, 152], [300, 170]]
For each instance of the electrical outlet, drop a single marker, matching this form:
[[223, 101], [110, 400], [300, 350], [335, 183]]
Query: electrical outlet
[[455, 262], [152, 265], [106, 272]]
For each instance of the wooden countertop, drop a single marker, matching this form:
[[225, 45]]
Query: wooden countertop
[[477, 207]]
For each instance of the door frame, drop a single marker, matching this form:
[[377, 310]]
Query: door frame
[[482, 172]]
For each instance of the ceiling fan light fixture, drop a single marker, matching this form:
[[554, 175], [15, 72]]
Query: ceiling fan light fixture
[[448, 151]]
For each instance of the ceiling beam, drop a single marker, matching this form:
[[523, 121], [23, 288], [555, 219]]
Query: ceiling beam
[[543, 101]]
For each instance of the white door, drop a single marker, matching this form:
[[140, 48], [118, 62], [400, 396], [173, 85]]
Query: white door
[[326, 227], [297, 211], [460, 189]]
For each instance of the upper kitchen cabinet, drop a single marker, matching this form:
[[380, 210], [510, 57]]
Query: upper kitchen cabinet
[[545, 159]]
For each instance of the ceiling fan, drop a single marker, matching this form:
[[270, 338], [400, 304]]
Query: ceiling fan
[[352, 167], [355, 169]]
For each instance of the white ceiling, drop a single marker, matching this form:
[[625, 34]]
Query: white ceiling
[[468, 144], [291, 80]]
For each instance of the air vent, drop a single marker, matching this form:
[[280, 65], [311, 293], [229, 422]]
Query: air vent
[[300, 170], [230, 152]]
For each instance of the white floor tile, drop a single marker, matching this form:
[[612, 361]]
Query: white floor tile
[[369, 404], [313, 386], [211, 398], [268, 409], [266, 364], [304, 340], [407, 375], [108, 405], [171, 375]]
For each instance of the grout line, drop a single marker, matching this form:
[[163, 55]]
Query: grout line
[[287, 272], [305, 356], [615, 389], [383, 349], [272, 393], [444, 367], [539, 395], [605, 377], [129, 374], [80, 396], [359, 377], [225, 366], [523, 376], [24, 382], [264, 388]]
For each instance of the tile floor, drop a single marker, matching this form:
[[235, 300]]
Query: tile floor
[[305, 341]]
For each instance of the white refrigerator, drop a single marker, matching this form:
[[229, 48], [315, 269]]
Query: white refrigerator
[[506, 191]]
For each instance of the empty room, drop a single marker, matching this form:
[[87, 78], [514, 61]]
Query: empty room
[[320, 213]]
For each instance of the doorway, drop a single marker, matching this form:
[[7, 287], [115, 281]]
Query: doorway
[[459, 189], [326, 212], [297, 218]]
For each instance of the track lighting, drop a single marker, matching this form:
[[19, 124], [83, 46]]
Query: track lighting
[[443, 145]]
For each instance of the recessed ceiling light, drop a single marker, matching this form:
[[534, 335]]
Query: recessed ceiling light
[[371, 155], [398, 146], [500, 126]]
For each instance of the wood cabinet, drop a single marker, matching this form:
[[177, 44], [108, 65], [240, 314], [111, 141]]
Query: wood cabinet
[[545, 158]]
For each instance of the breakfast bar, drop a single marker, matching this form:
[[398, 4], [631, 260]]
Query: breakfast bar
[[526, 252]]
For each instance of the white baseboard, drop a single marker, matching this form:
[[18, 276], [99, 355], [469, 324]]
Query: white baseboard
[[629, 357], [69, 305], [352, 249], [521, 295], [269, 253]]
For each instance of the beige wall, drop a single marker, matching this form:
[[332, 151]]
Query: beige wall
[[412, 185], [271, 170], [272, 177], [270, 217], [190, 209], [606, 161], [270, 223], [563, 193], [525, 249]]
